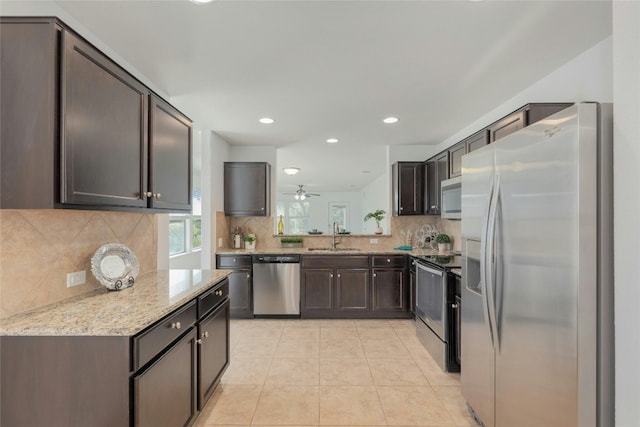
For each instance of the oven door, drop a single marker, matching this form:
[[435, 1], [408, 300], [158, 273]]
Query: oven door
[[431, 298]]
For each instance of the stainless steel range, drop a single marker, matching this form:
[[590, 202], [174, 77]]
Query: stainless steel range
[[435, 305]]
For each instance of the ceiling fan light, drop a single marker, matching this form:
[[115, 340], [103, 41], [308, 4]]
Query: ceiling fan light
[[297, 197], [291, 170], [302, 196]]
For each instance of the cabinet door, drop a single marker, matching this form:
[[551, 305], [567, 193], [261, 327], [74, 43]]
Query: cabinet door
[[455, 159], [316, 294], [169, 157], [352, 289], [29, 54], [407, 188], [241, 294], [165, 393], [477, 140], [437, 171], [103, 130], [247, 189], [506, 126], [389, 290], [213, 351]]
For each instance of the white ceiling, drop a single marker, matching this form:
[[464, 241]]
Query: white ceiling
[[326, 69]]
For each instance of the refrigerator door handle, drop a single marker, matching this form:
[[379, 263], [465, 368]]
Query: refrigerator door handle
[[484, 266], [497, 261], [490, 259]]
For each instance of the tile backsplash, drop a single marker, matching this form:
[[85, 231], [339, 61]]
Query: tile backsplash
[[39, 247]]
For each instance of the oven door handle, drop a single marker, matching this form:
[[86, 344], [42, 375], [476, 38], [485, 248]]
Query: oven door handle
[[430, 270]]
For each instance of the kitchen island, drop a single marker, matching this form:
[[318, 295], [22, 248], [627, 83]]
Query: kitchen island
[[148, 355]]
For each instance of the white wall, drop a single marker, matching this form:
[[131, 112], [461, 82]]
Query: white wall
[[587, 77], [626, 205], [377, 196]]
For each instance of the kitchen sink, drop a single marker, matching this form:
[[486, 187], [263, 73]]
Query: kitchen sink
[[333, 249]]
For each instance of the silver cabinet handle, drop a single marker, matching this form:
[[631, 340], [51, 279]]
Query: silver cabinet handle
[[235, 260], [205, 334], [218, 293], [331, 275], [388, 260], [198, 341], [158, 195], [401, 208], [454, 305], [148, 194], [434, 207], [338, 275], [375, 275], [176, 325], [248, 276]]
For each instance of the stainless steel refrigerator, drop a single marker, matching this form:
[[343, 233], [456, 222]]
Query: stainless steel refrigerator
[[537, 294]]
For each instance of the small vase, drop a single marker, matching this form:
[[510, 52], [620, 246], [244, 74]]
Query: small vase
[[378, 230], [443, 247]]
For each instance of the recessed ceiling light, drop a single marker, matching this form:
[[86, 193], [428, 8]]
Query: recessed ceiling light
[[291, 170], [390, 120], [201, 1], [366, 171], [266, 121], [332, 140]]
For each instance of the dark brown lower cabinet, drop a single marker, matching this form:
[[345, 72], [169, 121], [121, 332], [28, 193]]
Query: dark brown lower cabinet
[[213, 351], [352, 290], [241, 294], [165, 392], [316, 293], [389, 293], [161, 376], [334, 286]]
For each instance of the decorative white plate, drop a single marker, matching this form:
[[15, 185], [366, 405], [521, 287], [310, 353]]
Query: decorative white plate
[[115, 266]]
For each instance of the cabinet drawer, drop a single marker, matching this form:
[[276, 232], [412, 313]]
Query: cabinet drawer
[[213, 297], [152, 341], [391, 261], [335, 261], [233, 261]]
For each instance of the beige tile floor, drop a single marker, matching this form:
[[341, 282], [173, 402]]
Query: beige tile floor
[[292, 372]]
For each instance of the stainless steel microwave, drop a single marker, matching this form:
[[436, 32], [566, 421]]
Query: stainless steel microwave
[[451, 198]]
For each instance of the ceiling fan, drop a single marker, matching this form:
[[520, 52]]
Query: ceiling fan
[[301, 194]]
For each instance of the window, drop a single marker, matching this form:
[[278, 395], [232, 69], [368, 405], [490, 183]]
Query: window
[[339, 213], [295, 216], [177, 236], [185, 231]]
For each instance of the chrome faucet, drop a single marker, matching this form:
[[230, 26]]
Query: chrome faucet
[[335, 235]]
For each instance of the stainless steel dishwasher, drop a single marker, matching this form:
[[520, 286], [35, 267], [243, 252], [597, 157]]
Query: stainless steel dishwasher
[[276, 285]]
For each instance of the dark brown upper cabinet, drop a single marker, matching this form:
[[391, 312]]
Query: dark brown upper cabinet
[[525, 116], [436, 171], [407, 188], [29, 74], [475, 141], [170, 177], [76, 128], [247, 188], [104, 130]]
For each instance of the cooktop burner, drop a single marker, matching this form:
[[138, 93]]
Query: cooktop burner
[[443, 261]]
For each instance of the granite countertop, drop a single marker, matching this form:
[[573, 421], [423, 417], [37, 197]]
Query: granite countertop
[[115, 313], [457, 271], [307, 251]]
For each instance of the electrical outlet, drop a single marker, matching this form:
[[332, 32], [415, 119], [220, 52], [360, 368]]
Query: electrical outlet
[[219, 242], [373, 241], [76, 278]]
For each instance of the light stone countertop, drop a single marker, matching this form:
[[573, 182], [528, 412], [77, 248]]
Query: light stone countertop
[[307, 251], [115, 313]]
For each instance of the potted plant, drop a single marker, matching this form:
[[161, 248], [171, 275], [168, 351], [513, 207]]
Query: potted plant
[[443, 241], [250, 242], [378, 216], [291, 242]]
